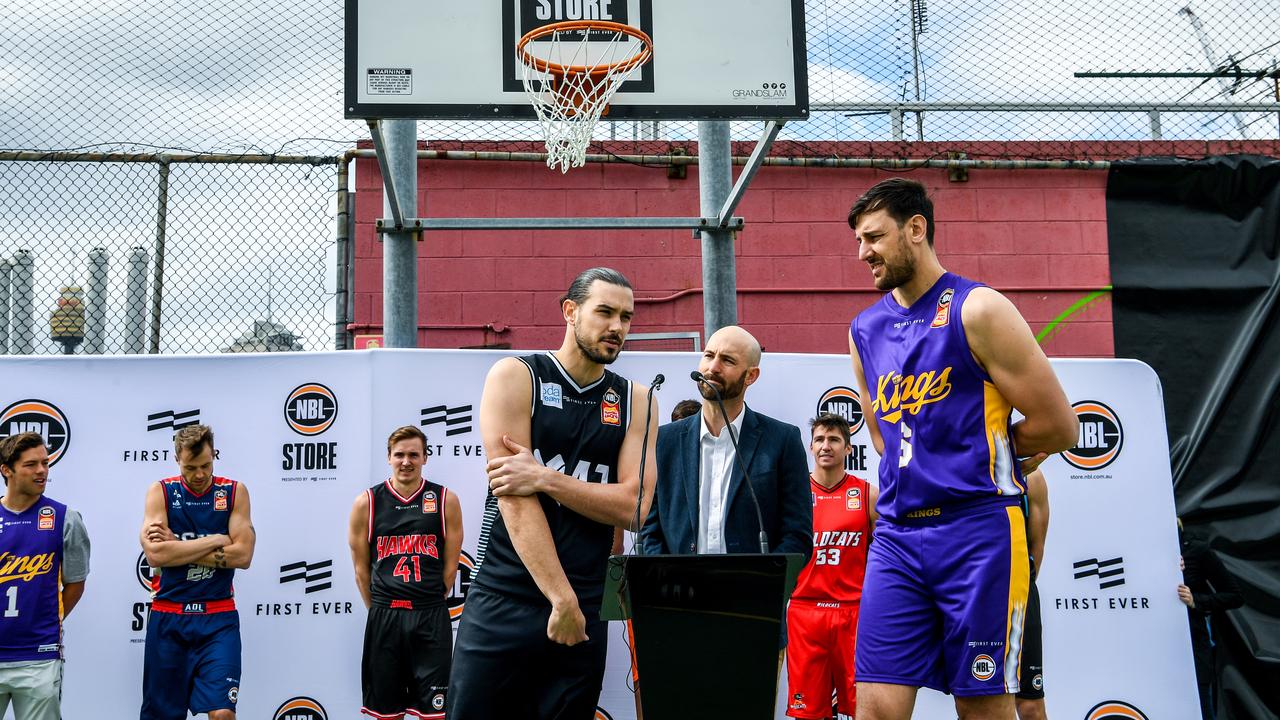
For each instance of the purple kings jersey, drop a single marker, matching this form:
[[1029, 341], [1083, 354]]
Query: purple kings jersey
[[945, 426], [30, 579], [192, 516]]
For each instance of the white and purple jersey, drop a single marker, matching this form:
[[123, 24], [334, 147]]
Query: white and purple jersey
[[193, 516], [946, 428], [30, 580]]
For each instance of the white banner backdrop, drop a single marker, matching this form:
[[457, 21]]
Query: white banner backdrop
[[306, 433]]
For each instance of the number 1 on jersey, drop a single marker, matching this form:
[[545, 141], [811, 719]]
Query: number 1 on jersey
[[12, 594], [904, 455]]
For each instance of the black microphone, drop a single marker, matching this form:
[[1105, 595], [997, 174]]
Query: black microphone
[[644, 452], [733, 437]]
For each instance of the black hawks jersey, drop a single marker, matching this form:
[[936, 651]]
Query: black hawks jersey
[[406, 541], [577, 431]]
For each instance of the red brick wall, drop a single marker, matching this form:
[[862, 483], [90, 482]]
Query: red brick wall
[[1038, 235]]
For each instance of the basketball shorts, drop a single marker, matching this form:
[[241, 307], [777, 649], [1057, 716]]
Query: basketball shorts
[[191, 662], [405, 668], [944, 601], [504, 665], [820, 656], [1032, 672]]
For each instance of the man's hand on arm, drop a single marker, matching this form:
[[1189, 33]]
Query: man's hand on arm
[[505, 410], [164, 549], [238, 551], [520, 474]]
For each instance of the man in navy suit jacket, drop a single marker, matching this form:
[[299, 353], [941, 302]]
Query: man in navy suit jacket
[[701, 503]]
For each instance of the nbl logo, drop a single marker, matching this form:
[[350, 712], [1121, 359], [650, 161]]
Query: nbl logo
[[1101, 437], [42, 418], [300, 708], [1115, 710], [844, 402], [458, 593], [143, 572], [983, 668], [310, 409]]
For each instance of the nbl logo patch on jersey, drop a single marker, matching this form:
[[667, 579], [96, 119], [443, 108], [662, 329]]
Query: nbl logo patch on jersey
[[219, 499], [943, 313], [853, 499], [611, 408], [552, 395], [46, 518], [429, 502]]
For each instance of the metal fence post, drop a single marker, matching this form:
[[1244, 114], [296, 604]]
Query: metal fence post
[[6, 273], [342, 251], [719, 273], [1153, 117], [157, 284], [400, 249], [135, 323], [23, 303], [95, 315]]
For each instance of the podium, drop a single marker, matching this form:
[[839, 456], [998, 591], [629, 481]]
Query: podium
[[708, 630]]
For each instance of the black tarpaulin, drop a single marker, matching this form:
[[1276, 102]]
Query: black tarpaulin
[[1195, 265]]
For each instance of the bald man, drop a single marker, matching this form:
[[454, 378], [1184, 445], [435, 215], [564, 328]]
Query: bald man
[[702, 504]]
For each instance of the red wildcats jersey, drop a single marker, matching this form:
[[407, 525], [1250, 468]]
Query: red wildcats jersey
[[840, 534]]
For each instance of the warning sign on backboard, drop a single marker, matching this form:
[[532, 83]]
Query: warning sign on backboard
[[390, 81]]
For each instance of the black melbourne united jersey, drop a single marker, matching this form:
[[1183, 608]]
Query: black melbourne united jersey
[[577, 431], [406, 541]]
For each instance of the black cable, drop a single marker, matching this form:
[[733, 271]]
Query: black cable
[[644, 452]]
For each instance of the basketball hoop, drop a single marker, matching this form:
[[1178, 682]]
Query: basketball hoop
[[580, 65]]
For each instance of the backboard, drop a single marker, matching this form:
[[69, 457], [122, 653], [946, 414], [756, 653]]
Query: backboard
[[456, 59]]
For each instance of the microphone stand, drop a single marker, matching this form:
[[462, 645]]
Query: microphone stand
[[636, 549], [737, 456]]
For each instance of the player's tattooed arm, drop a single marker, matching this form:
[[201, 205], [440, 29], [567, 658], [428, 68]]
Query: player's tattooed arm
[[239, 551], [161, 546]]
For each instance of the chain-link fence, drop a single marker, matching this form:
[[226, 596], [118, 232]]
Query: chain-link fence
[[244, 254], [148, 255], [267, 76]]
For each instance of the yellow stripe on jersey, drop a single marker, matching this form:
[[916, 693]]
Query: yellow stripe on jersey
[[1019, 586], [999, 447]]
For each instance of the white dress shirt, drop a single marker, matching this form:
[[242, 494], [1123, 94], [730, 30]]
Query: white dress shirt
[[715, 468]]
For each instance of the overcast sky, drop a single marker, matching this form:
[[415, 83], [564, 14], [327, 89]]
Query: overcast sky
[[267, 77]]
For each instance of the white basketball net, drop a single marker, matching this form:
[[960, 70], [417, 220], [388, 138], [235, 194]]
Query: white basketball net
[[570, 82]]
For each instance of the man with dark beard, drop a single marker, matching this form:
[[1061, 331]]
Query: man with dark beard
[[696, 463], [564, 437], [941, 363]]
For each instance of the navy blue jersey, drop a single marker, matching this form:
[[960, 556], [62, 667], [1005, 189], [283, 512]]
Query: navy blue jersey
[[192, 516], [30, 579], [577, 431]]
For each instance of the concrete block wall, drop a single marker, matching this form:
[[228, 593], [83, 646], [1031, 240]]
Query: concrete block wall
[[1038, 235]]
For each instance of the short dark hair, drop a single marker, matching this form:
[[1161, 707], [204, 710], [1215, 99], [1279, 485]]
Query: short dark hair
[[684, 409], [12, 447], [902, 198], [191, 438], [831, 421], [580, 288], [406, 432]]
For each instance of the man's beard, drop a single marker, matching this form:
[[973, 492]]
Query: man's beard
[[731, 391], [897, 274], [595, 355]]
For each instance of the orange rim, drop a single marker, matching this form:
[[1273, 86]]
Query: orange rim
[[554, 68]]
